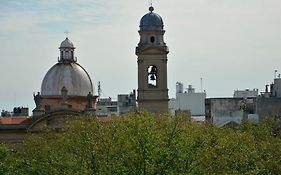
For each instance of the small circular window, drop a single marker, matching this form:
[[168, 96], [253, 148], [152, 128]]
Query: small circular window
[[152, 39]]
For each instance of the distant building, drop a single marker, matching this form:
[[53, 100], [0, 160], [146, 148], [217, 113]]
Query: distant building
[[189, 100], [245, 105], [269, 102], [276, 88], [106, 107], [17, 112], [126, 103], [267, 107], [246, 93], [17, 116], [14, 120], [226, 111]]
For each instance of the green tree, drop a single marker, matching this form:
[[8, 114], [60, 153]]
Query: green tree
[[145, 143]]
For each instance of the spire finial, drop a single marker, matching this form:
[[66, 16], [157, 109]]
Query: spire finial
[[66, 33], [151, 7]]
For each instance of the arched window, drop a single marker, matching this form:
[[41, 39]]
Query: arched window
[[152, 76]]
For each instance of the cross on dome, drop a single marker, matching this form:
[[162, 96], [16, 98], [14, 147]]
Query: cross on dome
[[150, 2], [66, 33]]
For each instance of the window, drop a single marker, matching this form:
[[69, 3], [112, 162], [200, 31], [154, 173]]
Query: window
[[152, 39], [66, 55], [72, 55]]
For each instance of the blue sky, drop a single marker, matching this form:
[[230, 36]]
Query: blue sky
[[231, 44], [52, 16]]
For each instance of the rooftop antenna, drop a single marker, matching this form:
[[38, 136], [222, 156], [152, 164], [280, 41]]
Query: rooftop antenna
[[99, 89], [201, 79], [66, 33]]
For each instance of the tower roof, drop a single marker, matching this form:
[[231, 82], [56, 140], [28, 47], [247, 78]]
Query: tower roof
[[67, 44], [151, 20]]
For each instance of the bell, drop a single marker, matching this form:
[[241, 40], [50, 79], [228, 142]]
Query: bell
[[153, 70], [152, 77]]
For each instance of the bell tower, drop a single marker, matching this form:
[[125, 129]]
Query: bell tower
[[152, 64]]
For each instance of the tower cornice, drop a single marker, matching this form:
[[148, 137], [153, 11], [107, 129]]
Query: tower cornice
[[151, 50]]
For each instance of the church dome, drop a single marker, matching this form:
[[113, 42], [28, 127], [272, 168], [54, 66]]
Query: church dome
[[66, 44], [151, 20], [71, 75]]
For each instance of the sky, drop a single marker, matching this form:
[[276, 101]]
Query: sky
[[230, 44]]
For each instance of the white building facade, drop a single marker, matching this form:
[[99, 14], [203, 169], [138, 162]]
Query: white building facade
[[189, 100]]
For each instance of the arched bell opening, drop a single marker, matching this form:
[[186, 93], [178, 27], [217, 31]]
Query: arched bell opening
[[152, 76]]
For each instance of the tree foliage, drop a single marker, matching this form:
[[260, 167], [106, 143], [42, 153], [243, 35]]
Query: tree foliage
[[147, 143]]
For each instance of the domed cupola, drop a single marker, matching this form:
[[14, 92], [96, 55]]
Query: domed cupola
[[67, 51], [151, 31], [66, 44], [151, 21], [67, 73]]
